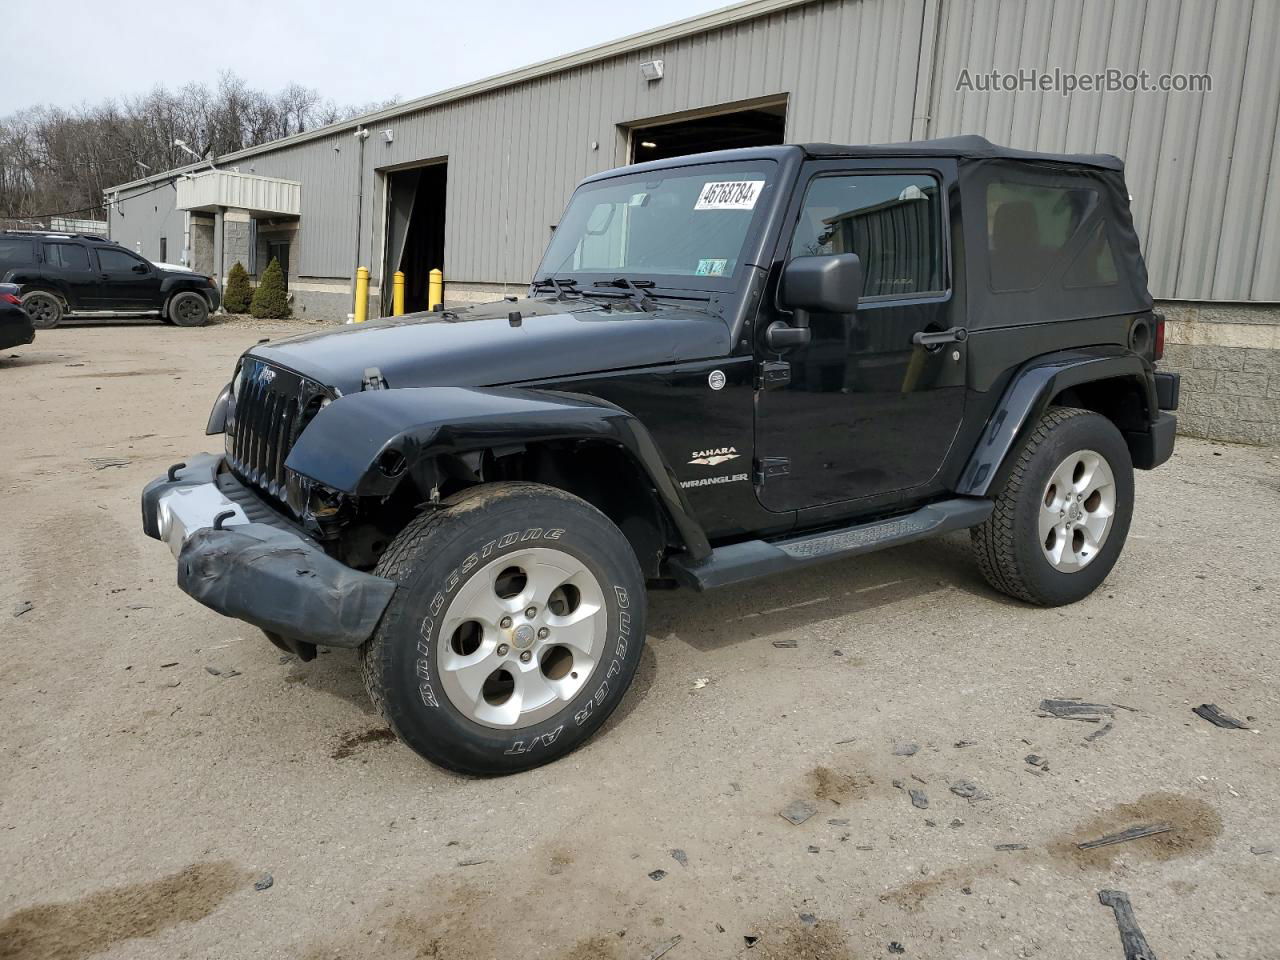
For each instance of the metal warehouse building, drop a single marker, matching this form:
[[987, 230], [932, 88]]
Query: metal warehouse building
[[473, 180]]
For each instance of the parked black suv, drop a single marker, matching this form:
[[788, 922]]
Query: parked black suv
[[728, 366], [85, 276]]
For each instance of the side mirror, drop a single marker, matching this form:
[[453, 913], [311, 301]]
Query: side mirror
[[825, 284], [139, 268]]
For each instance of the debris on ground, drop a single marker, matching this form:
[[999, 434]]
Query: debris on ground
[[657, 874], [1037, 761], [1100, 732], [1219, 718], [750, 939], [1131, 938], [1069, 709], [1262, 851], [812, 849], [1004, 847], [785, 644], [896, 947], [1131, 833], [661, 949], [956, 822], [171, 663], [700, 682], [839, 822], [680, 857], [798, 812], [265, 882], [969, 790], [906, 749], [102, 463], [919, 799], [472, 863], [965, 743], [24, 606]]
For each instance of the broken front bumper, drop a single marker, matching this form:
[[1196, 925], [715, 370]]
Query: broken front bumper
[[237, 556]]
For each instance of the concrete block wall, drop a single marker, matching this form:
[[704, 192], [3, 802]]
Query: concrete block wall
[[235, 239], [1229, 359]]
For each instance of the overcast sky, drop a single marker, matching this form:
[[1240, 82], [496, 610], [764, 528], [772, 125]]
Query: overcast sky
[[353, 53]]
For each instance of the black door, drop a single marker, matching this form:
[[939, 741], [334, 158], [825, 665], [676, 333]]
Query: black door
[[867, 412], [125, 281], [66, 265]]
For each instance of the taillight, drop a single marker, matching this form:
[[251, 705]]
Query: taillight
[[10, 298], [1159, 344]]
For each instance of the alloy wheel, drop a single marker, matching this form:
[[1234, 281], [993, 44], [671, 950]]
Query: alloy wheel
[[521, 638], [1077, 510]]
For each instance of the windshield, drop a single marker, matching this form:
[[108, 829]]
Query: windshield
[[685, 222]]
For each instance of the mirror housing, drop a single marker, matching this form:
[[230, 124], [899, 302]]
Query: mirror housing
[[824, 284]]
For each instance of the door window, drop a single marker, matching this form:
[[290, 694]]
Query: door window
[[116, 261], [66, 256], [893, 222]]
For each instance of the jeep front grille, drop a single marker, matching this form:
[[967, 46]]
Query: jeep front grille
[[268, 412]]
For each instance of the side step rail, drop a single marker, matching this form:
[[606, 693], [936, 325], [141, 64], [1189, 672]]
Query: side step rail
[[738, 562]]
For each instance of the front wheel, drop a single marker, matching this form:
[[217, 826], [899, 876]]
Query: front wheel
[[44, 309], [516, 629], [189, 310], [1063, 515]]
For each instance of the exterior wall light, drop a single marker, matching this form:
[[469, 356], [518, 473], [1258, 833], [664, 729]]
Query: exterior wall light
[[651, 70]]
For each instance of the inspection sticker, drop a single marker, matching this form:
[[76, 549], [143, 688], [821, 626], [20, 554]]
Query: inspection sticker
[[730, 195]]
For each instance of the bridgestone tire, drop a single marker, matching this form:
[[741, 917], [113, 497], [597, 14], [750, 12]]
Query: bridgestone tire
[[189, 310], [1008, 546], [432, 561], [44, 309]]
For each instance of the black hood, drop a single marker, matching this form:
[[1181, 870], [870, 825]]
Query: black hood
[[481, 346]]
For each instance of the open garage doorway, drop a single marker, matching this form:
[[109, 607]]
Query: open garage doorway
[[759, 124], [415, 231]]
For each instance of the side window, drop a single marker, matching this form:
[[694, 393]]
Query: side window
[[116, 261], [893, 222], [15, 251], [66, 256], [1028, 228]]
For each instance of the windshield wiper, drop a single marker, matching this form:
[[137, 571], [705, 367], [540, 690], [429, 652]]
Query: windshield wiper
[[635, 294], [560, 286]]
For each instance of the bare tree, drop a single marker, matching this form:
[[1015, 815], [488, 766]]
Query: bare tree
[[57, 162]]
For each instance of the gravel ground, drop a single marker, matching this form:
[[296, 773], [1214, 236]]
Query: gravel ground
[[156, 759]]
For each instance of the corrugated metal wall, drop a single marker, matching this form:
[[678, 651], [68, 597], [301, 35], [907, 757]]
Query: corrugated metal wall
[[1198, 164], [147, 217], [855, 71]]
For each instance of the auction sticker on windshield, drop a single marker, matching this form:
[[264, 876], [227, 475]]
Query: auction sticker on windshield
[[729, 195]]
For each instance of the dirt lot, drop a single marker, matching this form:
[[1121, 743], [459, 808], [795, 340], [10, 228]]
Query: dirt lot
[[142, 794]]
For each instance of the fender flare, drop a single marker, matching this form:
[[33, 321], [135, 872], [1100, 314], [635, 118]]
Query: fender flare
[[348, 443], [1028, 396]]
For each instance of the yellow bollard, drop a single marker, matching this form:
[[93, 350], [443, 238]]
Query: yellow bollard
[[397, 294], [362, 294], [435, 289]]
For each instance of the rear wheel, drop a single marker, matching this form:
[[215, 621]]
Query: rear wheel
[[44, 308], [1062, 518], [516, 629], [189, 310]]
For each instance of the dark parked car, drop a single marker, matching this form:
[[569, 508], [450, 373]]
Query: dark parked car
[[15, 326], [729, 366], [85, 276]]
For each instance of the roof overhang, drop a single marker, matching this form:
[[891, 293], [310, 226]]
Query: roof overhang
[[215, 189]]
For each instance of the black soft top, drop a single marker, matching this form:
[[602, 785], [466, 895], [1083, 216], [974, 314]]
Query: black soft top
[[969, 147]]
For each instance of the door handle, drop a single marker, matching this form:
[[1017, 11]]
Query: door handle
[[106, 276], [936, 338]]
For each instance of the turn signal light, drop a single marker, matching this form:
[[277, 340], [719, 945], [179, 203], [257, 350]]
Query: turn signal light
[[1159, 344]]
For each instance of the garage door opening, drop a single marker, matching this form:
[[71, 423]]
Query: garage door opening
[[415, 232], [758, 126]]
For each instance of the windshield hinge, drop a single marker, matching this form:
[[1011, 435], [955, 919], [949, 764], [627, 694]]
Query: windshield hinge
[[772, 374], [771, 468]]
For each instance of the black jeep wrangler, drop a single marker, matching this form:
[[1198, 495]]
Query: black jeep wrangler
[[728, 366], [87, 276]]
